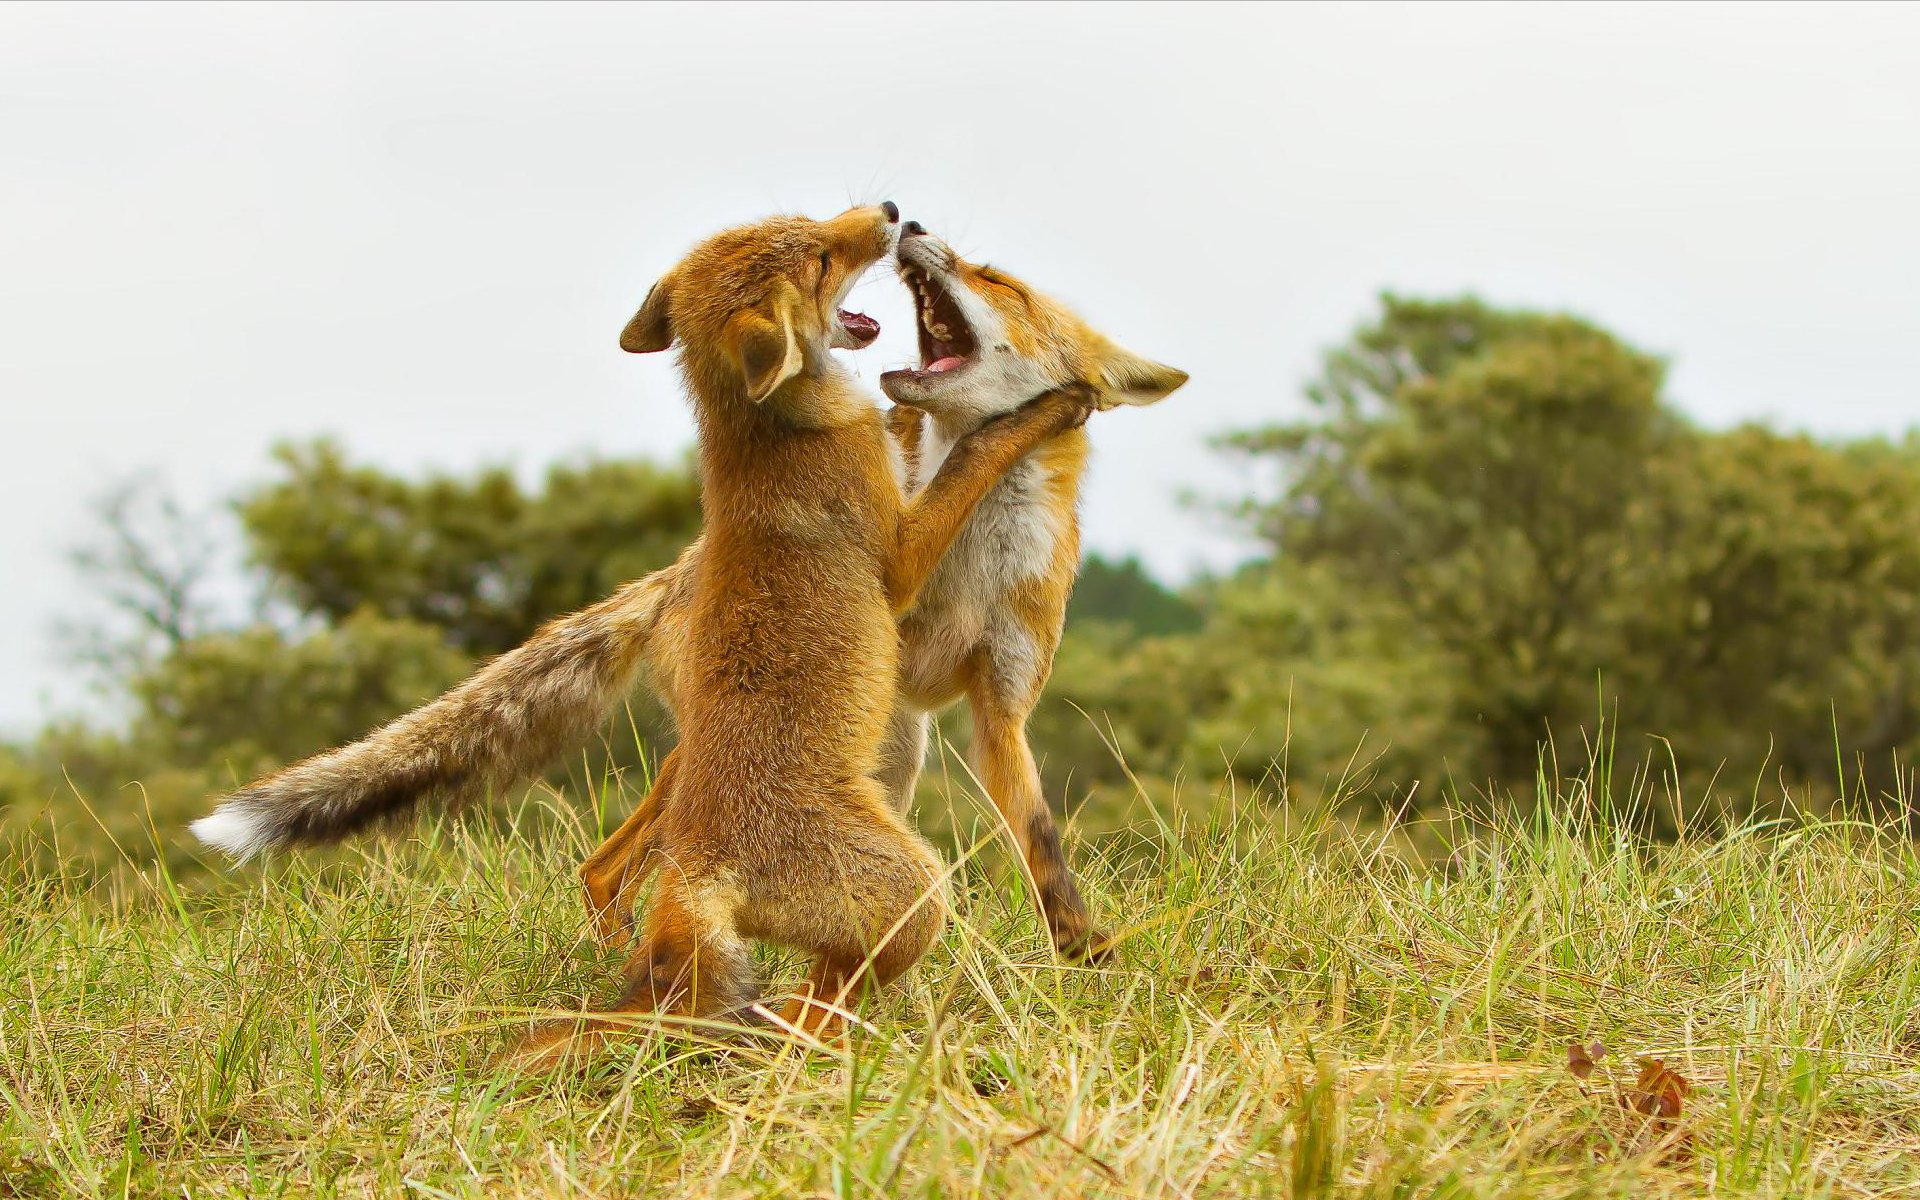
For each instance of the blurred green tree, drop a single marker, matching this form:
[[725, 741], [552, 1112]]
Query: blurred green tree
[[1482, 469], [1122, 590], [1780, 624], [388, 589], [251, 699], [1490, 529], [477, 557]]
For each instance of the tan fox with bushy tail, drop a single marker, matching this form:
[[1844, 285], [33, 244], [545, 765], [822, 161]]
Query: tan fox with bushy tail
[[780, 830], [511, 718], [985, 626], [989, 620]]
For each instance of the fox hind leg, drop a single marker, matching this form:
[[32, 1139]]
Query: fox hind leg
[[613, 873], [1004, 761], [866, 907], [902, 753], [844, 976], [692, 962]]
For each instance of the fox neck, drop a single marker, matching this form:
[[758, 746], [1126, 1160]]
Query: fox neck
[[822, 396], [938, 435]]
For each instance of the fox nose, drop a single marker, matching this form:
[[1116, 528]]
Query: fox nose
[[912, 229], [892, 210]]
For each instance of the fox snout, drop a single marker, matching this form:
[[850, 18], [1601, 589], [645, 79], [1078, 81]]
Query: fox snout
[[989, 343], [919, 250]]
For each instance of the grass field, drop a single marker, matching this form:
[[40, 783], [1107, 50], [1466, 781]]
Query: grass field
[[1301, 1007]]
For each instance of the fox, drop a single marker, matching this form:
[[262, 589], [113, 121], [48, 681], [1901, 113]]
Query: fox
[[997, 600], [990, 618], [811, 550]]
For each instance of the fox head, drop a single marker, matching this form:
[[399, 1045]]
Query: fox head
[[759, 305], [989, 343]]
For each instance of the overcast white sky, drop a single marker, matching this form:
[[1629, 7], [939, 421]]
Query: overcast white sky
[[420, 228]]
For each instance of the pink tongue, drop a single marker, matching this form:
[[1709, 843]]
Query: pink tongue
[[946, 364]]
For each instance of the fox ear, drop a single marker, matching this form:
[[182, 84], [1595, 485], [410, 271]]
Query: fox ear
[[651, 330], [1126, 378], [768, 350]]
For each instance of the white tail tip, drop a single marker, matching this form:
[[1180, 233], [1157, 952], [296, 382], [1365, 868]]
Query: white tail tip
[[234, 831]]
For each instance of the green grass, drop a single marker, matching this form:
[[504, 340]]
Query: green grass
[[1302, 1007]]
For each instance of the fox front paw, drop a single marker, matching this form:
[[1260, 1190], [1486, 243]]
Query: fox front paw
[[1069, 405]]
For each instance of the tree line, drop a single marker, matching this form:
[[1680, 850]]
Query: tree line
[[1493, 542]]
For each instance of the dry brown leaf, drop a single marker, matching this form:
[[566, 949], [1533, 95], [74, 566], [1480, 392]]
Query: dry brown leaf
[[1659, 1092], [1580, 1059]]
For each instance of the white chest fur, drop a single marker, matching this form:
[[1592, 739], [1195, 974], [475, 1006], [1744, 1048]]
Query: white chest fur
[[965, 607]]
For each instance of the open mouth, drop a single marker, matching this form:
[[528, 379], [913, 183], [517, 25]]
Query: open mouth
[[857, 330], [946, 340], [851, 330]]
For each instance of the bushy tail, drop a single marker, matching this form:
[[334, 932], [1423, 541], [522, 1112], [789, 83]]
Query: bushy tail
[[509, 719]]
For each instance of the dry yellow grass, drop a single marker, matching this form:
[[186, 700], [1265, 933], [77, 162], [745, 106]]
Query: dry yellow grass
[[1301, 1008]]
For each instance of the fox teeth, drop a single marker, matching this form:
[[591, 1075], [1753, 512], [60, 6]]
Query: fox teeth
[[940, 331]]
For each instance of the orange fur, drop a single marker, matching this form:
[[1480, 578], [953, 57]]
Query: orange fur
[[778, 830], [980, 624], [988, 620]]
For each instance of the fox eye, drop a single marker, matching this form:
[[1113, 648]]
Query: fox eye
[[826, 263]]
